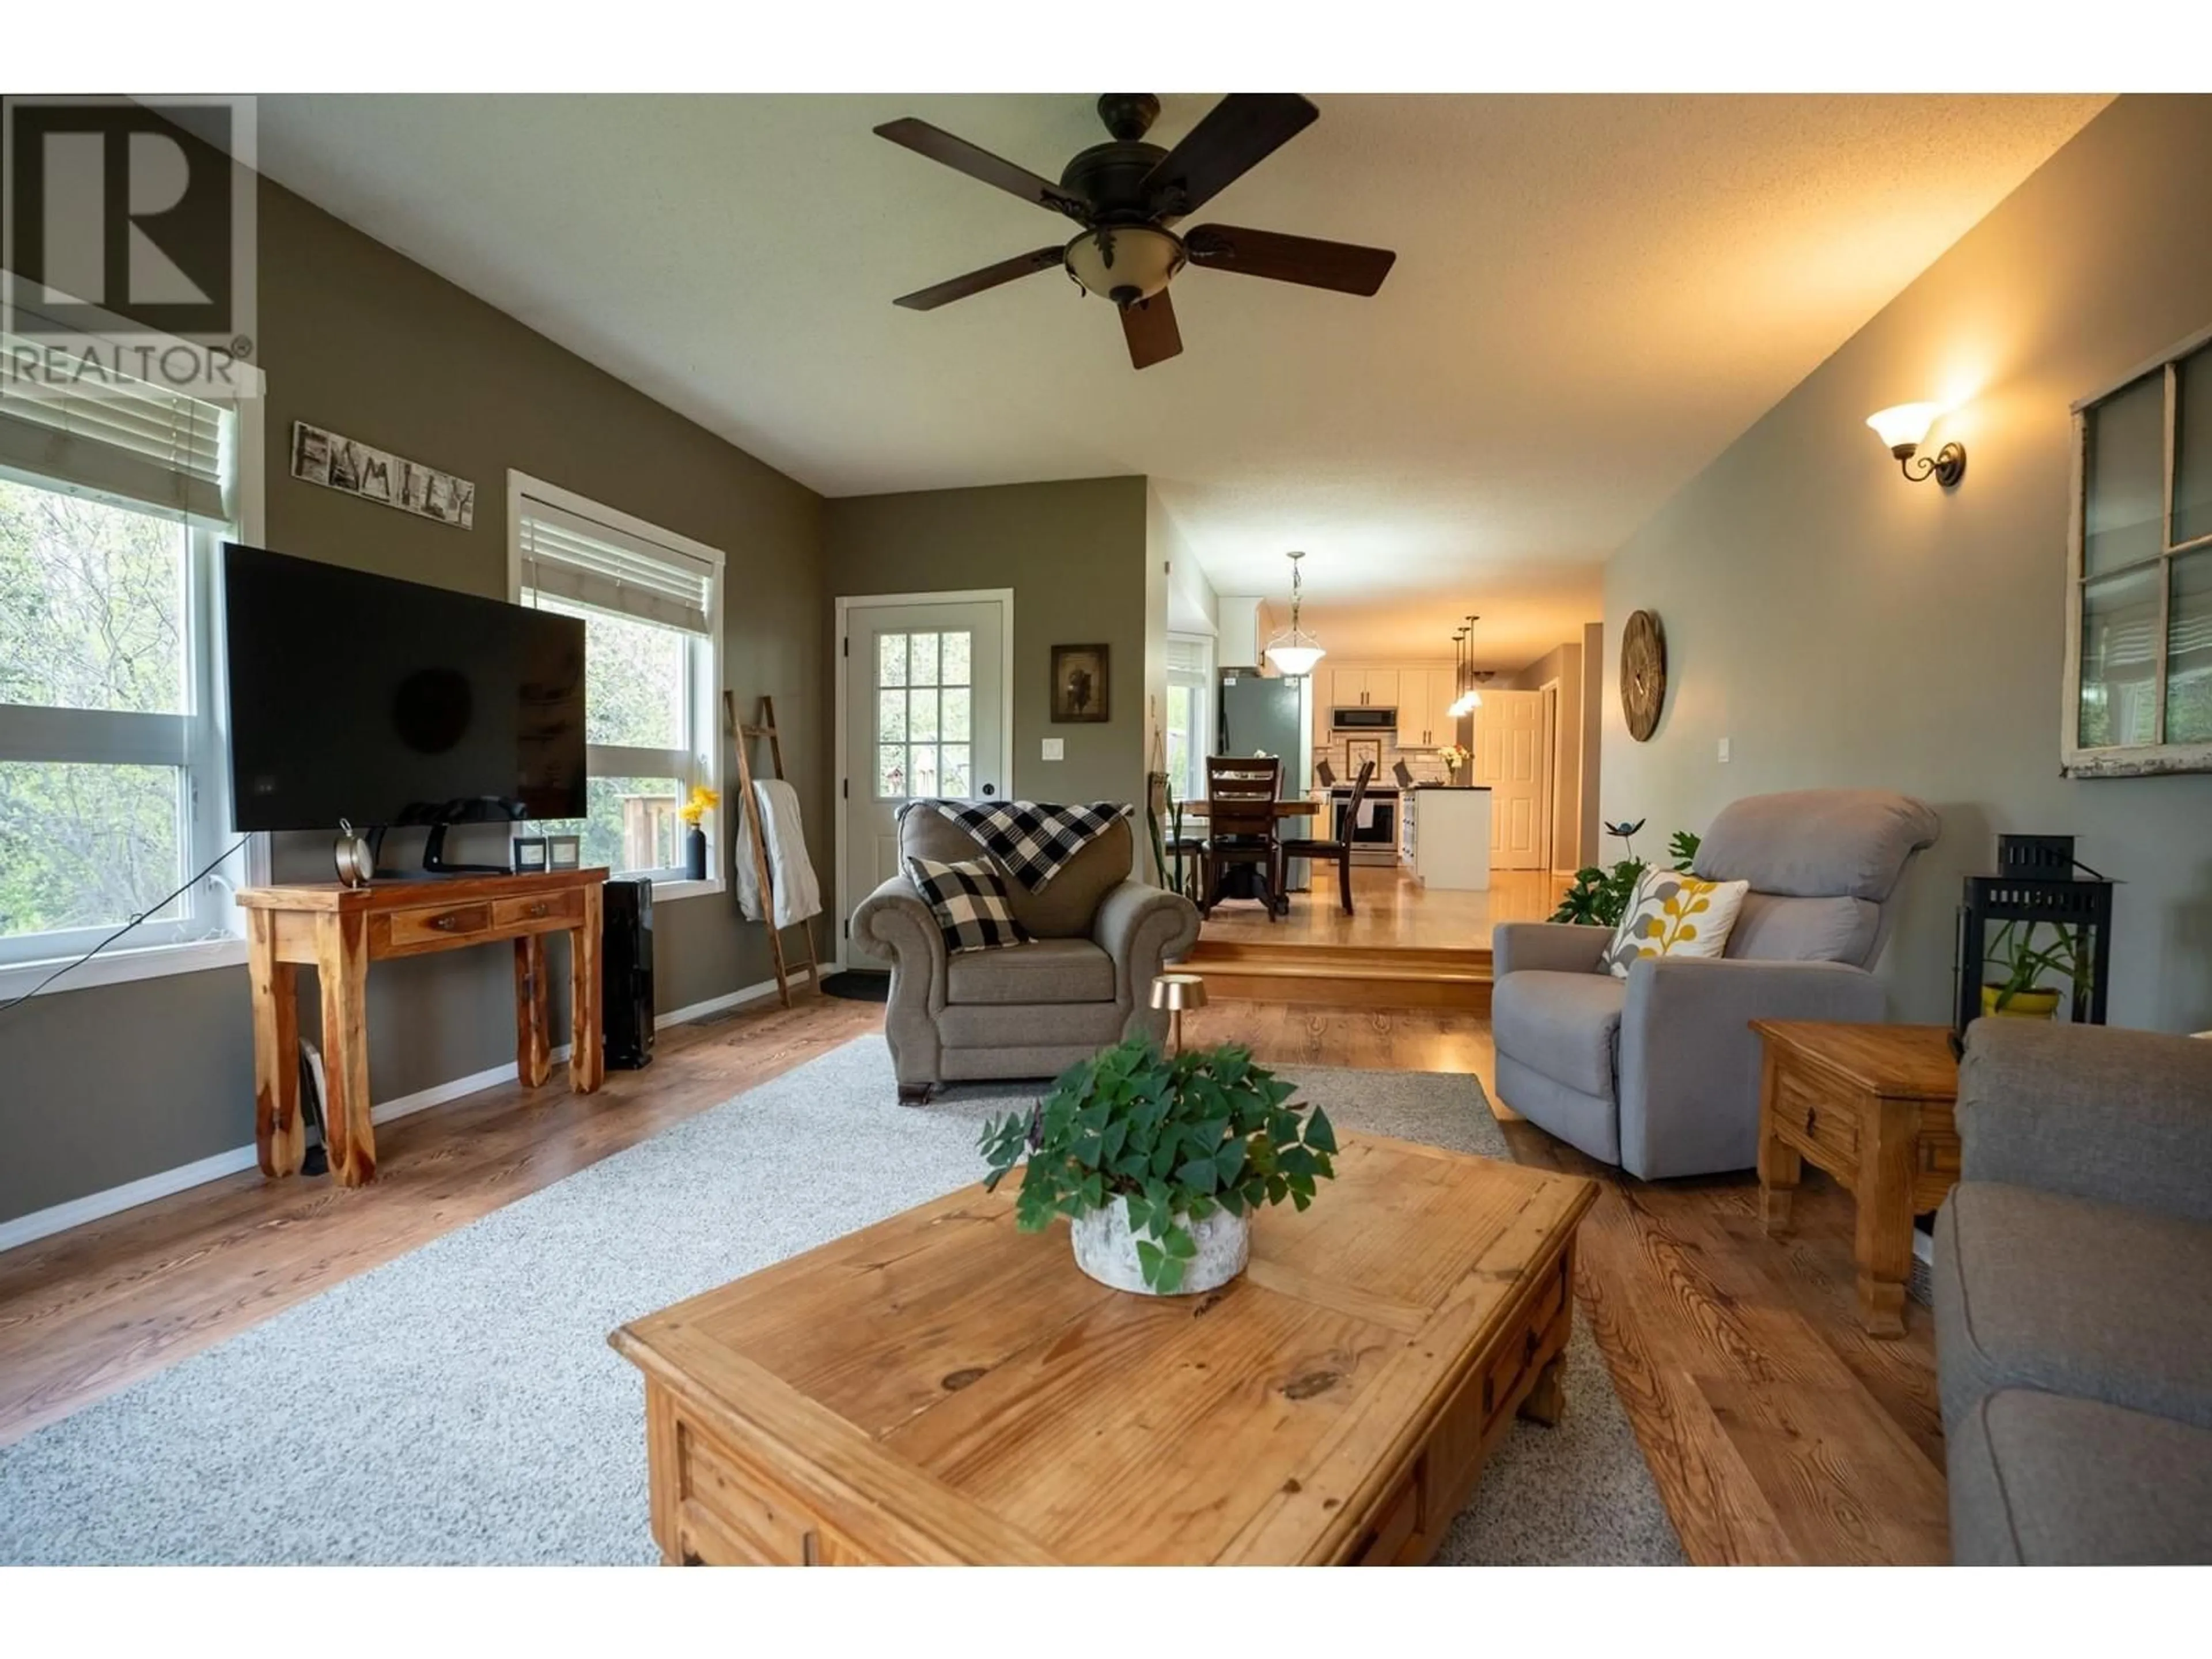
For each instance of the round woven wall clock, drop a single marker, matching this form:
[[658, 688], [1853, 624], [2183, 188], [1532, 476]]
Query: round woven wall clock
[[1643, 674]]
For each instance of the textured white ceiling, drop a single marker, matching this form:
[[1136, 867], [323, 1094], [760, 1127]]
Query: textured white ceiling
[[1593, 294]]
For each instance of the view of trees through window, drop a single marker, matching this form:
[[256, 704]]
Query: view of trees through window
[[638, 685], [92, 616]]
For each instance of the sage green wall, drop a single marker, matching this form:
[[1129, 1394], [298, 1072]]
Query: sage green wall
[[1074, 554], [113, 1082], [1842, 627]]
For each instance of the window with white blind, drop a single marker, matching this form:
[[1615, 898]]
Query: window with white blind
[[651, 603], [2139, 633], [115, 498], [1190, 725]]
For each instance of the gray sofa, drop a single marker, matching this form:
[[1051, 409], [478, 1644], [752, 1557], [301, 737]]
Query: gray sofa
[[1028, 1010], [1659, 1072], [2073, 1282]]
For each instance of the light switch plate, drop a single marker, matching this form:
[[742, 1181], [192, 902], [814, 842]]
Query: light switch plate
[[1055, 748], [1724, 749]]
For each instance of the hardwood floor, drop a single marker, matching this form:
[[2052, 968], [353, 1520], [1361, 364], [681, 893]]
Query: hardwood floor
[[1390, 910], [1776, 1430]]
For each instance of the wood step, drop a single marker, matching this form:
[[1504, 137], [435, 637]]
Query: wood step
[[1344, 976]]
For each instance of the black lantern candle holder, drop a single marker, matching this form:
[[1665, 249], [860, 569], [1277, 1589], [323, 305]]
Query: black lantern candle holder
[[2036, 884]]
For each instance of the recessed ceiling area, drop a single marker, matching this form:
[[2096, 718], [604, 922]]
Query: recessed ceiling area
[[1593, 294]]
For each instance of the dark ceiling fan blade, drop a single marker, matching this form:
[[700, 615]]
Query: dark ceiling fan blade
[[1150, 327], [959, 288], [962, 156], [1345, 266], [1237, 134]]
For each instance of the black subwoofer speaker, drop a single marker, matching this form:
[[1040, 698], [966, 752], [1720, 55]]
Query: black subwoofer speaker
[[626, 974]]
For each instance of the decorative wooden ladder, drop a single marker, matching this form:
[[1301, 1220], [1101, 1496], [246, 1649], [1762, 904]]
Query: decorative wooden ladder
[[749, 807]]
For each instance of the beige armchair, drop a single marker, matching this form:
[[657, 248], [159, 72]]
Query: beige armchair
[[1028, 1010]]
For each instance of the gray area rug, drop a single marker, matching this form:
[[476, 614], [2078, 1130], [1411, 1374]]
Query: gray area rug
[[461, 1404]]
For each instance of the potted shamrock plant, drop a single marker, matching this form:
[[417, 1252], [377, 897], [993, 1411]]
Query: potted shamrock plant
[[1160, 1163]]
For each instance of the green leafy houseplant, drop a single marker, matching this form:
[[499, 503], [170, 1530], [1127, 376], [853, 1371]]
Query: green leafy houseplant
[[1178, 1138], [1178, 873], [2023, 962], [1599, 896]]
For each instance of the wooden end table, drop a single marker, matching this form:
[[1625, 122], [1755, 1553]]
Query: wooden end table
[[939, 1389], [1870, 1104]]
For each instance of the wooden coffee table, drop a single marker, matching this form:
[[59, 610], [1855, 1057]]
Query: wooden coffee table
[[1870, 1104], [939, 1388]]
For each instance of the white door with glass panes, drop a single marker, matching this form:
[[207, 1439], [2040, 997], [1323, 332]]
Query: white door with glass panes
[[926, 718]]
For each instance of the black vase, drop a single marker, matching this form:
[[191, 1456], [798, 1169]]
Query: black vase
[[694, 853]]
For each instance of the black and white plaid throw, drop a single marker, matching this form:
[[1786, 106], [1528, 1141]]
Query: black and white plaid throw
[[969, 900], [1033, 841]]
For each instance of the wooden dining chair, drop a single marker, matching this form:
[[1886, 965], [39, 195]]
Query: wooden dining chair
[[1240, 792], [1338, 850]]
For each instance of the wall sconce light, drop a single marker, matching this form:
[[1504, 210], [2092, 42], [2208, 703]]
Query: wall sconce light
[[1903, 429]]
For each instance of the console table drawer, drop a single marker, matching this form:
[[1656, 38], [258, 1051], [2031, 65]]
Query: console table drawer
[[439, 925], [546, 910]]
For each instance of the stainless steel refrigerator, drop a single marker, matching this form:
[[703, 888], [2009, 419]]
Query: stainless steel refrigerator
[[1264, 714]]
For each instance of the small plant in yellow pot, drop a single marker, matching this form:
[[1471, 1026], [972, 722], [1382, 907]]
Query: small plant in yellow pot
[[2021, 993]]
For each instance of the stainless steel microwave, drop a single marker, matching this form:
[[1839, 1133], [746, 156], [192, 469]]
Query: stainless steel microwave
[[1363, 718]]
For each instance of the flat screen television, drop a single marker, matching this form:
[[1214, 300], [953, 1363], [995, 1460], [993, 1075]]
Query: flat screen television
[[386, 703]]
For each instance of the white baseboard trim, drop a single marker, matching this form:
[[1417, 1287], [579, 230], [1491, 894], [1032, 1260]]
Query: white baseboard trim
[[93, 1206]]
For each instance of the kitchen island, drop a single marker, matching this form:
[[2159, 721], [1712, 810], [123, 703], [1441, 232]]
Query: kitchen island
[[1443, 835]]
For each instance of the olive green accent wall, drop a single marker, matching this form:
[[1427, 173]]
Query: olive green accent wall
[[1843, 627], [112, 1084], [1075, 556]]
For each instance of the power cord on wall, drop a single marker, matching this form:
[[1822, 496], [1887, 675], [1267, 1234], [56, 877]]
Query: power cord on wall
[[155, 909]]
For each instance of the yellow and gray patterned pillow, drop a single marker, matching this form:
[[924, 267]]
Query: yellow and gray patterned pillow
[[1674, 914]]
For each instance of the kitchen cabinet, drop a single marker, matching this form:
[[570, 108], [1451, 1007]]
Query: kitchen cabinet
[[1424, 699], [1443, 837]]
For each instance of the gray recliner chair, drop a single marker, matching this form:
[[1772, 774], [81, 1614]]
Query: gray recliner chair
[[1660, 1072], [1027, 1009]]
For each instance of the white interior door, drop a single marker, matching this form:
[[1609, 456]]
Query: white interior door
[[925, 716], [1509, 757]]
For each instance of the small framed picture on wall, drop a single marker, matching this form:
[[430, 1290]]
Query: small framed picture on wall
[[1360, 751], [1079, 684]]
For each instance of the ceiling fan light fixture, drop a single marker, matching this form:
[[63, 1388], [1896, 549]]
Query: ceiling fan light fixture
[[1124, 262]]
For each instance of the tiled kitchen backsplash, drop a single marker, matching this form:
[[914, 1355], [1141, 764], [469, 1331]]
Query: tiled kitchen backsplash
[[1421, 762]]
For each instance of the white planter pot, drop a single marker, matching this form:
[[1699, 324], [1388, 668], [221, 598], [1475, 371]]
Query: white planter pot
[[1107, 1249]]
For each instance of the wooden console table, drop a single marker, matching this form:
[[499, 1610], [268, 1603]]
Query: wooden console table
[[1872, 1105], [338, 931]]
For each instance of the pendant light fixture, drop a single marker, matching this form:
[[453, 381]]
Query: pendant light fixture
[[1469, 699], [1293, 653]]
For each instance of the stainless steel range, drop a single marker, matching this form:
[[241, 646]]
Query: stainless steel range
[[1374, 838]]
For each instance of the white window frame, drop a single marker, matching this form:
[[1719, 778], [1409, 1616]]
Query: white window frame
[[210, 933], [2127, 760], [700, 760], [1201, 682]]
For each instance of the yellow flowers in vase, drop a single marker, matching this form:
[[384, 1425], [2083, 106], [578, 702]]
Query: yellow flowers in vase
[[704, 800]]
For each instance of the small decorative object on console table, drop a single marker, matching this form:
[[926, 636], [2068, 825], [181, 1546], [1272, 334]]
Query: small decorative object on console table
[[1870, 1104], [564, 852], [704, 800], [1160, 1162]]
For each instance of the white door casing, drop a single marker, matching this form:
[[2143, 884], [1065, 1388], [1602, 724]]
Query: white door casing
[[1509, 757], [925, 708]]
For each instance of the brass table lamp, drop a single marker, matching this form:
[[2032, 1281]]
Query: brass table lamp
[[1179, 991]]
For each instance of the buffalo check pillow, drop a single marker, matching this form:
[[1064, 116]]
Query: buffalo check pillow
[[969, 900]]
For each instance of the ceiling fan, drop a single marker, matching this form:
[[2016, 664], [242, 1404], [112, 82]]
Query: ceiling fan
[[1125, 193]]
